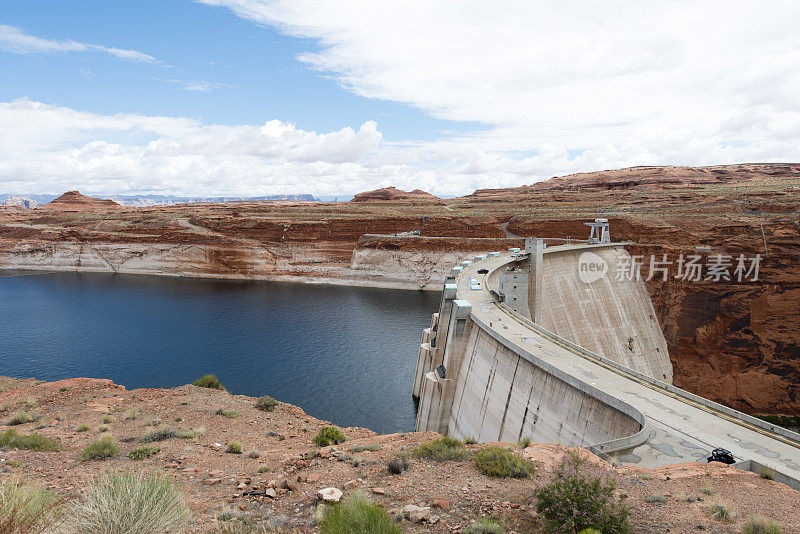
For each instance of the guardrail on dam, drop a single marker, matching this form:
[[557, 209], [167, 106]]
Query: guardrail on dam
[[523, 345]]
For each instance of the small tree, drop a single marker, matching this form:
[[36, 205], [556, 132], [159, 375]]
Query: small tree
[[575, 500]]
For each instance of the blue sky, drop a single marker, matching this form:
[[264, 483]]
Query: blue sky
[[256, 97], [251, 69]]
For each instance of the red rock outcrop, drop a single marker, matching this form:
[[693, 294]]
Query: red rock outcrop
[[74, 201], [392, 194]]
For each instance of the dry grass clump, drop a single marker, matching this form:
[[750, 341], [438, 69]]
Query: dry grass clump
[[32, 442], [760, 525], [230, 414], [721, 511], [160, 434], [357, 514], [234, 447], [27, 508], [20, 418], [441, 450], [484, 526], [141, 502], [141, 453]]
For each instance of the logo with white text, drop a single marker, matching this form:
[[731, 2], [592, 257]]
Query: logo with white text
[[591, 267]]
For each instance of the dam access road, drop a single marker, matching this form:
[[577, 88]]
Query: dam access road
[[591, 391]]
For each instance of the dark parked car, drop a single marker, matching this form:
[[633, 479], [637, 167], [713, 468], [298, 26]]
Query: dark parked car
[[721, 455], [483, 271]]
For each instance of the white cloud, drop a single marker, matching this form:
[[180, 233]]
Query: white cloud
[[610, 83], [14, 40], [200, 86], [46, 148]]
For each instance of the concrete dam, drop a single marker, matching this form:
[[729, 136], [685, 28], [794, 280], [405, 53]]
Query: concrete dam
[[549, 343]]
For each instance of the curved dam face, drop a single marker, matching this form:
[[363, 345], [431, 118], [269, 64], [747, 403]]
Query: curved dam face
[[611, 315], [496, 390]]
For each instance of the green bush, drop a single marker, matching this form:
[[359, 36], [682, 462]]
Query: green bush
[[32, 442], [361, 448], [524, 442], [141, 502], [496, 461], [20, 418], [102, 449], [83, 427], [161, 434], [230, 414], [106, 419], [590, 531], [266, 403], [470, 440], [143, 452], [329, 435], [440, 450], [27, 508], [254, 455], [357, 515], [484, 526], [131, 415], [234, 447], [575, 500], [209, 381], [655, 499], [760, 525], [263, 469]]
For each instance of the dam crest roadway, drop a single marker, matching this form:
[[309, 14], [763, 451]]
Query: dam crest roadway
[[523, 347]]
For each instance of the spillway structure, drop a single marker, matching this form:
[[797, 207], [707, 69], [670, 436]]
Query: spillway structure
[[561, 344]]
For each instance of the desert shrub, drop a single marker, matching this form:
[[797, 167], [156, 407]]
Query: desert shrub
[[721, 511], [161, 434], [145, 503], [329, 435], [27, 508], [470, 440], [263, 469], [186, 434], [708, 489], [209, 381], [230, 414], [496, 461], [442, 449], [234, 447], [32, 442], [102, 429], [266, 403], [83, 427], [766, 472], [143, 452], [760, 525], [131, 415], [254, 455], [361, 448], [154, 421], [62, 389], [106, 419], [646, 477], [524, 442], [397, 466], [102, 449], [575, 499], [20, 418], [590, 531], [655, 499], [356, 514], [484, 526]]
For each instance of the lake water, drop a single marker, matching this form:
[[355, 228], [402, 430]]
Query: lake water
[[343, 354]]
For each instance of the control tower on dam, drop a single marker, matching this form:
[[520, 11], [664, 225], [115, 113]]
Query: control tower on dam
[[561, 344]]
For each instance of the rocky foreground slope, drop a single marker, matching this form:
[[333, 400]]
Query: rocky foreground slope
[[276, 480], [735, 343]]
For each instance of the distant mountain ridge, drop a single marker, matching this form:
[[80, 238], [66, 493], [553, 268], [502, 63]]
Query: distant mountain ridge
[[26, 200]]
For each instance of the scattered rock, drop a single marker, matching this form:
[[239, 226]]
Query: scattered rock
[[329, 494], [379, 491], [212, 481], [415, 513]]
